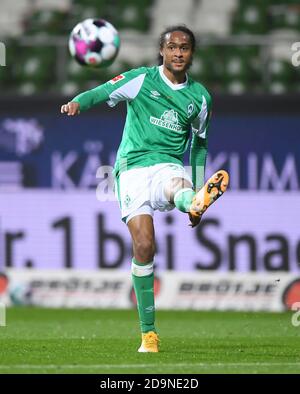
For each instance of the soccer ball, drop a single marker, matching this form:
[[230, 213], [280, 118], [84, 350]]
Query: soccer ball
[[94, 42]]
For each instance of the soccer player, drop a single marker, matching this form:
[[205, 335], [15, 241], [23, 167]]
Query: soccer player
[[164, 105]]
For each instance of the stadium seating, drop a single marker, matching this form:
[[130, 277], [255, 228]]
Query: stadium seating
[[234, 54]]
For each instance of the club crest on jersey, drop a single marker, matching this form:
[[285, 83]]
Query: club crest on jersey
[[190, 109], [117, 79], [168, 120]]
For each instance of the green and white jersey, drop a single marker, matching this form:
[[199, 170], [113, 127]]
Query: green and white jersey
[[160, 115]]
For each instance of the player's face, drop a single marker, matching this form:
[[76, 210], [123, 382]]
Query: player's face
[[177, 52]]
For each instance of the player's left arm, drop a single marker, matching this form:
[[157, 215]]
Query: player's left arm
[[198, 151], [198, 154]]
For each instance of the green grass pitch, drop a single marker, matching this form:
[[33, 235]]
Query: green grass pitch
[[105, 342]]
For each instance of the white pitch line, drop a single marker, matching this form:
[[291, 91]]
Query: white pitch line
[[125, 366]]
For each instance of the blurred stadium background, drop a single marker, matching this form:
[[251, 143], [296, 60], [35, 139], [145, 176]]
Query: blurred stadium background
[[244, 46], [62, 247]]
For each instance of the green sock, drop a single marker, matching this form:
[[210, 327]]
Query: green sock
[[183, 199], [143, 283]]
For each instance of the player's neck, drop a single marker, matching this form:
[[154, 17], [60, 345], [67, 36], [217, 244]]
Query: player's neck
[[175, 78]]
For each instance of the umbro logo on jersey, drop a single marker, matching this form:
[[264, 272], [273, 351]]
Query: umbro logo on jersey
[[154, 94], [150, 309], [117, 79]]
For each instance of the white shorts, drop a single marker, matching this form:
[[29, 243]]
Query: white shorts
[[141, 190]]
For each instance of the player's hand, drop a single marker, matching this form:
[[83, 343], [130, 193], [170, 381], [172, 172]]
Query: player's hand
[[70, 109], [195, 220]]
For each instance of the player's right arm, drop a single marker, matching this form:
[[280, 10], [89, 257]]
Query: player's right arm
[[71, 108], [85, 100], [121, 88]]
